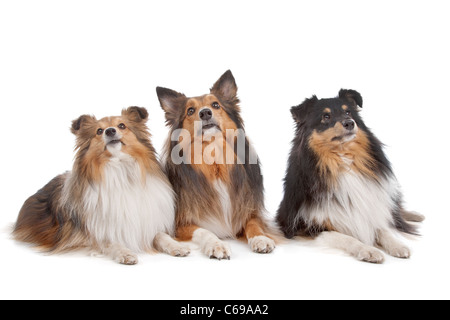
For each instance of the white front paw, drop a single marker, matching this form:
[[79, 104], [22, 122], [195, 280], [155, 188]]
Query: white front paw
[[127, 259], [178, 250], [217, 250], [399, 251], [371, 255], [261, 244]]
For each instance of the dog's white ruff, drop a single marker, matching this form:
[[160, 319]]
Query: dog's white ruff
[[126, 208], [358, 206]]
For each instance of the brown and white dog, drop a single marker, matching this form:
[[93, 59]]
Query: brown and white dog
[[214, 171], [116, 200]]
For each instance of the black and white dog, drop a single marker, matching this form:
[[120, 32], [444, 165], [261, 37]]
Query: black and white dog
[[339, 184]]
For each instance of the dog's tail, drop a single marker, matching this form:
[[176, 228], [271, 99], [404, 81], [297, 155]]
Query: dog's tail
[[412, 216], [403, 219]]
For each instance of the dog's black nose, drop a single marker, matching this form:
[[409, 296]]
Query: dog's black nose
[[348, 124], [205, 114], [110, 132]]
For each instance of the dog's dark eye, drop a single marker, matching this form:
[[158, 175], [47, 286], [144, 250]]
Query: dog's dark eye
[[122, 126], [190, 111], [348, 113], [326, 117], [100, 132], [215, 105]]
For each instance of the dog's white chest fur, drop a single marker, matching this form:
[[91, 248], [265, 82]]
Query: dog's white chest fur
[[358, 206], [222, 226], [127, 209]]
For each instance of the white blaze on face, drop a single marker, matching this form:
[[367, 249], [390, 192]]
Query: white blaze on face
[[351, 135], [112, 142], [211, 132]]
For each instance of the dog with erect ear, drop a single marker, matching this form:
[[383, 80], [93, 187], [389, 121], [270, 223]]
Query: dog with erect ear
[[214, 171], [116, 201], [339, 184]]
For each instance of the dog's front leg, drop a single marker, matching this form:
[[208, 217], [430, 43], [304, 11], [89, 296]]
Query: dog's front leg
[[164, 243], [120, 254], [352, 246], [257, 240], [209, 243], [391, 245]]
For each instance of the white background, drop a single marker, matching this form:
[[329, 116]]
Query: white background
[[61, 59]]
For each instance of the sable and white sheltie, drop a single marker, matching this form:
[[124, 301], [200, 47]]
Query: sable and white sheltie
[[116, 201], [214, 171], [339, 184]]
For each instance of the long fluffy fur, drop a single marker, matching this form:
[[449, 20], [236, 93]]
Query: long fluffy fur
[[352, 190], [115, 196], [221, 198]]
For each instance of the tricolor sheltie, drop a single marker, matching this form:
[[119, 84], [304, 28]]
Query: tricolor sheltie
[[339, 184], [214, 171], [116, 201]]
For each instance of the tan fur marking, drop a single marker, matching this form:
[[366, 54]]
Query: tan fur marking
[[215, 170], [328, 226], [97, 155], [254, 228], [185, 233], [331, 153], [344, 107]]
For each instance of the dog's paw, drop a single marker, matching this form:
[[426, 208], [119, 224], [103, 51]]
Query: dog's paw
[[178, 250], [372, 255], [217, 250], [261, 244], [402, 252], [128, 259]]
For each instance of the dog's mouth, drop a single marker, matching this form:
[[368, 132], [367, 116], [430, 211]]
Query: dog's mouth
[[345, 137], [210, 125], [114, 142], [349, 136]]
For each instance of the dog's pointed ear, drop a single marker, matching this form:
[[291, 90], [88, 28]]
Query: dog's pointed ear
[[136, 114], [171, 102], [81, 122], [225, 87], [299, 112], [354, 97]]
